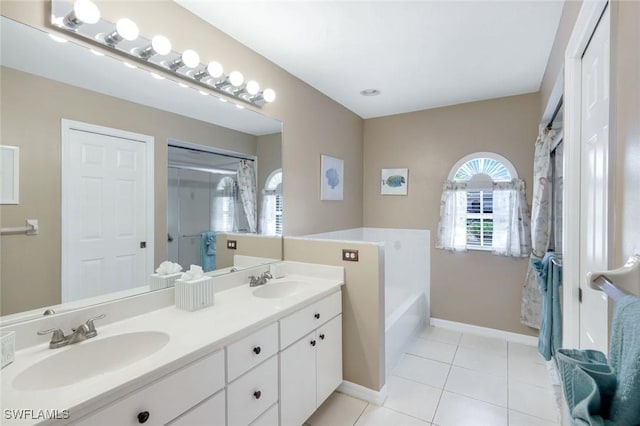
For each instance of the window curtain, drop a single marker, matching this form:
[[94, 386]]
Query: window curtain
[[511, 227], [531, 304], [268, 213], [452, 231], [247, 189]]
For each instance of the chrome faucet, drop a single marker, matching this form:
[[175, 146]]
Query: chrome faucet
[[261, 280], [84, 331]]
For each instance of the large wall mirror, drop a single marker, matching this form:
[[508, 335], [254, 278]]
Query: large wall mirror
[[112, 155]]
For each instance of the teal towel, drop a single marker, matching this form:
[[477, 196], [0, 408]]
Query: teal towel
[[624, 356], [594, 364], [549, 278], [587, 400], [208, 251]]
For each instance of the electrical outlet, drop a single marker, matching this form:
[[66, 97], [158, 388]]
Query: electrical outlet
[[350, 255], [232, 244]]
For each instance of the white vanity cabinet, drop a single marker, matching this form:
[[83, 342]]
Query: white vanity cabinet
[[168, 397], [310, 358]]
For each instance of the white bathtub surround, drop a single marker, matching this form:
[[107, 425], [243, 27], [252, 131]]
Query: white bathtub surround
[[407, 271], [192, 335]]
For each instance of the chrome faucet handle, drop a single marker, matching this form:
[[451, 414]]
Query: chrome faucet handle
[[254, 281], [58, 339], [91, 328], [267, 275]]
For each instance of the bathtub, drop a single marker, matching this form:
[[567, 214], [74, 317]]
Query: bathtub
[[406, 282]]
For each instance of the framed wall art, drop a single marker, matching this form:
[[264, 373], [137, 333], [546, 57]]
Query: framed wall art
[[394, 181], [332, 178]]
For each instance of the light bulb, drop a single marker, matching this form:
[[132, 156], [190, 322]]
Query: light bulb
[[190, 58], [86, 11], [269, 95], [127, 29], [236, 78], [252, 87], [215, 69], [161, 45]]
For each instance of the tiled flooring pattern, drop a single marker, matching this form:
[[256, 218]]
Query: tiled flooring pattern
[[447, 378]]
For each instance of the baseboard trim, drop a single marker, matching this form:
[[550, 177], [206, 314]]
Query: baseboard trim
[[485, 331], [361, 392]]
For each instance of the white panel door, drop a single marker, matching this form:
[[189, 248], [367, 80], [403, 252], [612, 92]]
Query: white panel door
[[595, 202], [104, 197]]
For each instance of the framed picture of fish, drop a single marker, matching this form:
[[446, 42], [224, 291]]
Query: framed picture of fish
[[331, 178], [394, 181]]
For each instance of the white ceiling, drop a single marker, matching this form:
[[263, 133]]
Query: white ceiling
[[419, 54]]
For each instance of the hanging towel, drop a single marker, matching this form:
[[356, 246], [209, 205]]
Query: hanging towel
[[549, 277], [587, 400], [208, 251], [624, 356]]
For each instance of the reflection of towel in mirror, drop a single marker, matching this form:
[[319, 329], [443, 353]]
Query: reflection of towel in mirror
[[208, 251]]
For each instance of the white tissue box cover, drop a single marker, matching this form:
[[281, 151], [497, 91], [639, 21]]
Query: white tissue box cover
[[194, 295], [157, 282], [8, 346]]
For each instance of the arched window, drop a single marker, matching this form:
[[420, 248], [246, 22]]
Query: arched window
[[468, 212], [273, 204]]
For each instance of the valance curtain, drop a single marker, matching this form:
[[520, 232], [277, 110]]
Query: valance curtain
[[511, 227], [247, 189], [531, 304], [452, 232]]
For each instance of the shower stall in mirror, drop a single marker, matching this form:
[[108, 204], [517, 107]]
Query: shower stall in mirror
[[203, 200]]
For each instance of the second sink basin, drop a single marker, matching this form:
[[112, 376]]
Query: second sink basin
[[90, 358], [278, 289]]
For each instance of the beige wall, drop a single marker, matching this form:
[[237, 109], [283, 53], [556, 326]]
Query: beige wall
[[313, 124], [555, 64], [474, 287], [625, 70], [31, 114], [363, 357], [246, 245]]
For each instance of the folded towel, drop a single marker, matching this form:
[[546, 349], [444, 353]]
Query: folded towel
[[208, 251], [587, 402], [624, 355], [549, 278]]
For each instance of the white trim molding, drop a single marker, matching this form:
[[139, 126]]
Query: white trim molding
[[485, 331], [585, 26], [358, 391]]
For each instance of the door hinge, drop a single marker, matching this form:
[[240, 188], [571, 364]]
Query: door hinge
[[143, 244], [580, 295]]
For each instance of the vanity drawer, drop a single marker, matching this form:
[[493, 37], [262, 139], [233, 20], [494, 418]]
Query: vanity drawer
[[251, 351], [211, 412], [307, 319], [166, 398], [253, 393]]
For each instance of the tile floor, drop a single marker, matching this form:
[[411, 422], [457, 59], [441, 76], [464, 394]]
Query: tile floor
[[447, 378]]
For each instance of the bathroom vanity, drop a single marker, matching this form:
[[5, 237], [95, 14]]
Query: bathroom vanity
[[264, 355]]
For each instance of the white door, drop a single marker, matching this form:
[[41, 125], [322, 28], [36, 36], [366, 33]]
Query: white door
[[328, 359], [594, 192], [105, 221]]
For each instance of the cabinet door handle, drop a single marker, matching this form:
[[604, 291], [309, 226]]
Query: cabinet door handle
[[257, 350], [143, 416], [257, 394], [317, 315], [322, 336], [313, 342]]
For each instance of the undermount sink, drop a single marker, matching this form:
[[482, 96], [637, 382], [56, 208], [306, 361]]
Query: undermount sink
[[90, 358], [277, 290]]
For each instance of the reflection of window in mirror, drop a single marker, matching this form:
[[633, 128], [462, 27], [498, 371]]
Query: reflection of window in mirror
[[224, 205], [272, 207]]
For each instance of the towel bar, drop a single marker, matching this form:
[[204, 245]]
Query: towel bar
[[30, 229]]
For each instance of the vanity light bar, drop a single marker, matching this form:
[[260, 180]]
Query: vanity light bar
[[82, 19]]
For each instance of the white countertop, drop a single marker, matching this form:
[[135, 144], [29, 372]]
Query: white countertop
[[235, 313]]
